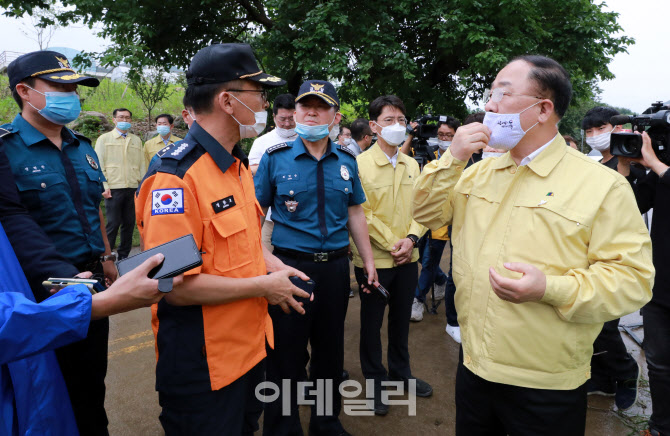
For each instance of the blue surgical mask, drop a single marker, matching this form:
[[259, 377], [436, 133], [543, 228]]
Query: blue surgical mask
[[60, 108], [312, 133], [163, 130], [123, 125]]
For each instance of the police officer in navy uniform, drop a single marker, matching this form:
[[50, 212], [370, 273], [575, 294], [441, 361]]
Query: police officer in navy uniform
[[313, 188], [59, 180]]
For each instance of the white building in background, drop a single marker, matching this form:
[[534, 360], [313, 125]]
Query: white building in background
[[116, 74]]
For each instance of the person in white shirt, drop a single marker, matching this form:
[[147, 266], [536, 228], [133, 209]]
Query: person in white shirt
[[282, 113]]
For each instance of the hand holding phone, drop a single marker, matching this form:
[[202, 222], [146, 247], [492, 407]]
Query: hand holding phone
[[379, 289], [304, 285], [59, 283]]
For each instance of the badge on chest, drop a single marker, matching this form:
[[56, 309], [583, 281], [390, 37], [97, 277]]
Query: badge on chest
[[223, 204]]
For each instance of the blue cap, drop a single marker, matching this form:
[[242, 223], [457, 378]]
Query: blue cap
[[46, 65], [320, 88]]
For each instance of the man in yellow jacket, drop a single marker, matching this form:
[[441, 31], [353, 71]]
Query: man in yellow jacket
[[123, 164], [388, 177], [164, 126], [548, 245]]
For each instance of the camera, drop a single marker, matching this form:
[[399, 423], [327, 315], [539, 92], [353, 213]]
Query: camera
[[655, 121], [426, 129]]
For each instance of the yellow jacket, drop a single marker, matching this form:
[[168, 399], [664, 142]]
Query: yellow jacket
[[388, 203], [121, 159], [154, 145], [574, 219]]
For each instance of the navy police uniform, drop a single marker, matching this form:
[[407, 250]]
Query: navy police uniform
[[310, 200], [61, 190]]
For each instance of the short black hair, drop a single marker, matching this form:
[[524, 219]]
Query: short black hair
[[477, 117], [283, 101], [342, 130], [30, 81], [379, 103], [598, 116], [187, 102], [121, 109], [201, 96], [451, 122], [551, 77], [569, 138], [169, 117], [359, 128]]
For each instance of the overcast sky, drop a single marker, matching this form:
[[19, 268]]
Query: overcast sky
[[641, 74]]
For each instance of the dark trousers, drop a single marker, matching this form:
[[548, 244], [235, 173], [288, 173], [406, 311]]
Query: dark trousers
[[611, 362], [232, 410], [323, 327], [450, 291], [487, 408], [84, 367], [657, 352], [400, 282], [431, 253], [121, 213]]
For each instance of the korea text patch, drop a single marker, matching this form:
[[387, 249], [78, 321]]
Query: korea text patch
[[167, 201]]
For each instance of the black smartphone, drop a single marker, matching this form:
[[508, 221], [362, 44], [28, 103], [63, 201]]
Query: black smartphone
[[380, 289], [181, 255], [307, 286]]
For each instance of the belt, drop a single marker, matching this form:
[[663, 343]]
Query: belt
[[314, 257]]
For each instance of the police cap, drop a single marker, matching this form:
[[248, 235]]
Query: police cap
[[220, 63], [322, 89], [46, 65]]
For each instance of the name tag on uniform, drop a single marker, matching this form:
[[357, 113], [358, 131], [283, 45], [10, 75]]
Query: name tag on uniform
[[223, 204], [167, 201]]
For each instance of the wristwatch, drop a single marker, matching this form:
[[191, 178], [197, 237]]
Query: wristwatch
[[107, 257], [414, 239]]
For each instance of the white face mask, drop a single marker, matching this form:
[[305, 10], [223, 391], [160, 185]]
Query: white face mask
[[600, 142], [247, 131], [286, 133], [334, 132], [393, 135], [443, 144], [506, 131]]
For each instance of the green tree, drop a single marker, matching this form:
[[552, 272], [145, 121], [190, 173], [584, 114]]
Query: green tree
[[151, 87], [433, 54]]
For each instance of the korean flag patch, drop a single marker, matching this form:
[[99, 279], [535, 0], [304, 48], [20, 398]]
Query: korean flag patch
[[167, 201]]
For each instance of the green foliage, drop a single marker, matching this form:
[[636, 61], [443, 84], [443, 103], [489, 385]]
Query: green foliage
[[8, 107], [150, 87], [111, 95], [433, 54]]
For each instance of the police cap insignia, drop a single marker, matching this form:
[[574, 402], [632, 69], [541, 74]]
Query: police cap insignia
[[316, 87], [48, 65]]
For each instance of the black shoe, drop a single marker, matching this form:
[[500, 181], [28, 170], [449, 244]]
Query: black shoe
[[345, 375], [626, 392], [423, 389], [593, 388], [380, 408]]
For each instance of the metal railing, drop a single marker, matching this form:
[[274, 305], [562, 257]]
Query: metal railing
[[6, 57]]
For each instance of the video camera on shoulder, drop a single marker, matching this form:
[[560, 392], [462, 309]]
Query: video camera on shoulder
[[426, 129], [656, 121]]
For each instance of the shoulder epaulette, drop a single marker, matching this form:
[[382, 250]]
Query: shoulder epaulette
[[277, 147], [178, 150], [346, 150], [81, 136], [164, 150], [4, 132]]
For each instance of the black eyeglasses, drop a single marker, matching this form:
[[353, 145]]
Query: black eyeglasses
[[264, 92]]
